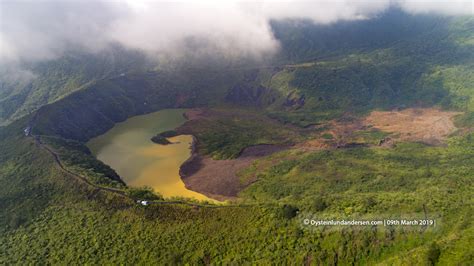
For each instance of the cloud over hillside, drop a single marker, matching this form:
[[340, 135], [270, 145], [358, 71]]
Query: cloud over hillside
[[41, 30]]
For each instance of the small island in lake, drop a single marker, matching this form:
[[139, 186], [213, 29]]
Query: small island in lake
[[161, 138]]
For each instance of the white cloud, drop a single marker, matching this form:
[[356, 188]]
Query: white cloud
[[164, 27], [39, 30]]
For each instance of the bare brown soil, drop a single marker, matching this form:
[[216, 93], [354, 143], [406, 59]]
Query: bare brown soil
[[428, 125], [341, 131], [218, 179]]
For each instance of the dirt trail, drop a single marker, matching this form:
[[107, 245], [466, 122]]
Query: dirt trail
[[77, 176]]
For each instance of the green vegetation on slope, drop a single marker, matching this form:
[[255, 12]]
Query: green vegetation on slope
[[227, 132], [379, 183], [362, 82], [368, 172], [77, 224], [77, 158], [429, 64], [45, 82]]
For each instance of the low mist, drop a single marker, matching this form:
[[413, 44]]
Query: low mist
[[43, 30]]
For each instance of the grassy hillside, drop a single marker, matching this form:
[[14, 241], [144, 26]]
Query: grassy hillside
[[41, 83], [429, 70]]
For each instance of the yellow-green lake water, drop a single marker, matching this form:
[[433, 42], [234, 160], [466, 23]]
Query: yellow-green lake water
[[127, 148]]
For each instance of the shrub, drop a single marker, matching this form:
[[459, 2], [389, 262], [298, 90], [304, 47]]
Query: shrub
[[433, 254], [144, 193], [320, 205], [289, 211]]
